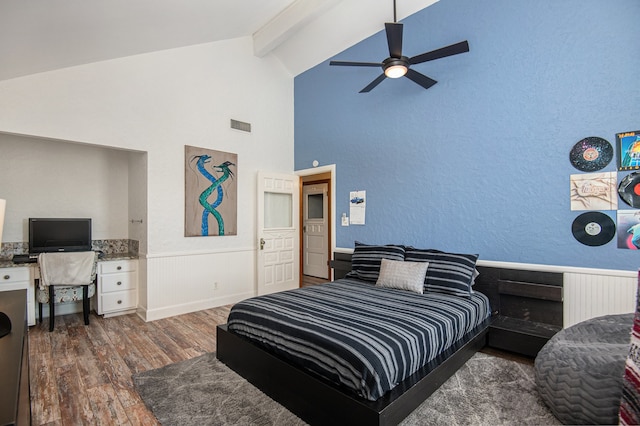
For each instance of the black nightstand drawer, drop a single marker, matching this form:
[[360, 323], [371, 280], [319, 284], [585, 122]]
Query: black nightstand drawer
[[516, 341]]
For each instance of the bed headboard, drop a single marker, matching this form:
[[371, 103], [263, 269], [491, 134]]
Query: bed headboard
[[341, 264]]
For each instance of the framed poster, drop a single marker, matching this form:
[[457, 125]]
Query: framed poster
[[628, 150], [629, 229], [594, 191], [211, 192]]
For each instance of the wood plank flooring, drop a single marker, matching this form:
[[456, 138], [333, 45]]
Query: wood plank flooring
[[308, 280], [81, 375]]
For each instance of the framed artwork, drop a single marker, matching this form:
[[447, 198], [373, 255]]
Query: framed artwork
[[629, 229], [594, 191], [211, 192], [628, 150]]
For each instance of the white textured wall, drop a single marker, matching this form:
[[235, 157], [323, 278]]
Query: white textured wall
[[138, 199], [43, 178], [157, 103]]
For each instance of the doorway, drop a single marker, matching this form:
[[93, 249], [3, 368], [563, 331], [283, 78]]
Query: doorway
[[315, 234], [317, 188]]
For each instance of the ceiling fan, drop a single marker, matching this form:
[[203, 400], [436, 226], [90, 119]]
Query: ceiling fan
[[397, 65]]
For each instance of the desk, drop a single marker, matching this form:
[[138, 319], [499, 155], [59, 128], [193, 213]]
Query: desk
[[23, 276]]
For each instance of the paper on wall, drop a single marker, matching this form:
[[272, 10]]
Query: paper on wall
[[357, 206]]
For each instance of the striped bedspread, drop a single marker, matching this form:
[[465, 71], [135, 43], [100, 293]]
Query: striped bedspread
[[355, 334]]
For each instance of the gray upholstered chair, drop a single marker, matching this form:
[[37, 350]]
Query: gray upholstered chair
[[66, 277]]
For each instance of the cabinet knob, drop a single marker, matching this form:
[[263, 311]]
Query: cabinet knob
[[6, 277], [119, 283], [119, 302], [119, 268]]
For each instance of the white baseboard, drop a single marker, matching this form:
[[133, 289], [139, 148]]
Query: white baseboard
[[170, 311]]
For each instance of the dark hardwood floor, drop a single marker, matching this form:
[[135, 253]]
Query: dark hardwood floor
[[309, 280], [81, 375]]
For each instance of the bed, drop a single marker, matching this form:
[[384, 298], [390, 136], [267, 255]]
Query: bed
[[356, 351]]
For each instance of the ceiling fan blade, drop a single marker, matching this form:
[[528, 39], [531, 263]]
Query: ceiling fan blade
[[443, 52], [421, 79], [374, 83], [356, 64], [394, 38]]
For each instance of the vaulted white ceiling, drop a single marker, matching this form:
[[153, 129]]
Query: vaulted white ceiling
[[44, 35]]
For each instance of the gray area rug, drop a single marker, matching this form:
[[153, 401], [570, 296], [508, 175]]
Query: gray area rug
[[487, 390]]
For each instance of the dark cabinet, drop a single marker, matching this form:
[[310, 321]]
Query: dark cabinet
[[527, 307], [14, 361]]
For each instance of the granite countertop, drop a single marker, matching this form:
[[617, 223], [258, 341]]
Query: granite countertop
[[7, 263], [118, 256]]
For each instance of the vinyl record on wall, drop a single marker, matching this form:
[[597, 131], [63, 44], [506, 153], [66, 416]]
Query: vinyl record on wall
[[629, 189], [593, 228], [591, 154]]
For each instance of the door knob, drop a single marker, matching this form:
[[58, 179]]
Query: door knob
[[262, 243]]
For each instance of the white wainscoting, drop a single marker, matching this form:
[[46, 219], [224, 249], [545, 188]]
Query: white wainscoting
[[592, 295], [178, 283]]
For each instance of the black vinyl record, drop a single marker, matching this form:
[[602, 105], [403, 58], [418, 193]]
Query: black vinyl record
[[593, 228], [591, 154], [629, 189]]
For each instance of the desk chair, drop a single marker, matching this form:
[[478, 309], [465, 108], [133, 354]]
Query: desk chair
[[62, 275]]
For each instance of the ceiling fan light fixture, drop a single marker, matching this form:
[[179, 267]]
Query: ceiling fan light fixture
[[396, 71], [397, 65]]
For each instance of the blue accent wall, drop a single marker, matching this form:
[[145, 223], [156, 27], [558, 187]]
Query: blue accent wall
[[479, 163]]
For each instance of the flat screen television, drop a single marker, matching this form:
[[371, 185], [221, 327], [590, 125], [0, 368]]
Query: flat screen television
[[59, 234]]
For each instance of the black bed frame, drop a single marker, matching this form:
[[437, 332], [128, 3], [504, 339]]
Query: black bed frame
[[317, 401], [526, 301]]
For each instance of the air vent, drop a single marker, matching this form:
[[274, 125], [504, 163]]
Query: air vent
[[240, 125]]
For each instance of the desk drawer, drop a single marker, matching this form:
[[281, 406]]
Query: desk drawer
[[117, 282], [119, 301], [116, 266], [12, 275]]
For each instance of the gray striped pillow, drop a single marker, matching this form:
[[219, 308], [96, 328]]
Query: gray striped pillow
[[450, 273], [365, 262]]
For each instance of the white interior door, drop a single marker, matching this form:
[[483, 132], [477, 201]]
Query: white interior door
[[278, 232], [315, 234]]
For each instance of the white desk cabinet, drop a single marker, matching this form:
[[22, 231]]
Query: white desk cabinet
[[19, 278], [117, 291]]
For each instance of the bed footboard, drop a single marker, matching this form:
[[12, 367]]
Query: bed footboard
[[317, 401]]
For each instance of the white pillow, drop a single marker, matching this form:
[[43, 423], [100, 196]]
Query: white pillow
[[402, 275]]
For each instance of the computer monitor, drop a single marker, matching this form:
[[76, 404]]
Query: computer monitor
[[59, 234]]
